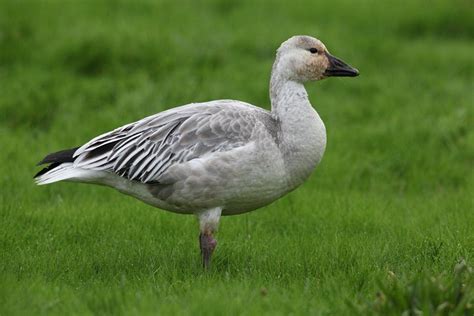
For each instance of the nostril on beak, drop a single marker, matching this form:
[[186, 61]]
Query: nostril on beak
[[339, 63]]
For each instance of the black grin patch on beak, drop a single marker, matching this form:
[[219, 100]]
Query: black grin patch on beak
[[338, 68]]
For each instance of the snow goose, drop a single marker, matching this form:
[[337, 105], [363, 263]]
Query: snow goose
[[214, 158]]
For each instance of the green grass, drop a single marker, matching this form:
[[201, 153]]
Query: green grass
[[392, 199]]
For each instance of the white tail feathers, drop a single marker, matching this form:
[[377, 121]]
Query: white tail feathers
[[66, 171], [61, 172]]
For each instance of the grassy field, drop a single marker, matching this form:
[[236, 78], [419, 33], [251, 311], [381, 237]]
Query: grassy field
[[384, 225]]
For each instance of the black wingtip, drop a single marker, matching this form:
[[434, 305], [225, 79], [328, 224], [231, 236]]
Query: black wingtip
[[59, 156], [46, 169], [55, 159]]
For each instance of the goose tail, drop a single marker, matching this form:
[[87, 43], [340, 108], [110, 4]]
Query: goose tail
[[60, 167]]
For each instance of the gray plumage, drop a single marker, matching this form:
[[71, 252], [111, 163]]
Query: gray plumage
[[144, 150], [220, 157]]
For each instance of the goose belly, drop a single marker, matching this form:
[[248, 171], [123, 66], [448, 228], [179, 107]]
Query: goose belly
[[239, 181]]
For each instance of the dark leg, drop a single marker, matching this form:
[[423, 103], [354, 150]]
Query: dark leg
[[207, 244], [208, 222]]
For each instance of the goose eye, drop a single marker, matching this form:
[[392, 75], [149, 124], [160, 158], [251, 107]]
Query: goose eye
[[313, 50]]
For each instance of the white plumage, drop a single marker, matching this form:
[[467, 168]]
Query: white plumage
[[215, 157]]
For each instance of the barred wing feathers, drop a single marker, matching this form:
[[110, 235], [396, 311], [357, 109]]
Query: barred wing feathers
[[144, 150]]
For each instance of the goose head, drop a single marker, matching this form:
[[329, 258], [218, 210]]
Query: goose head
[[305, 58]]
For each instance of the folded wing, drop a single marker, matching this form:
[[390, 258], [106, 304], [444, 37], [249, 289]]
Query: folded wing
[[144, 150]]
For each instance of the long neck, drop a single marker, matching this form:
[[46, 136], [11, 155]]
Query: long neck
[[303, 135], [287, 94]]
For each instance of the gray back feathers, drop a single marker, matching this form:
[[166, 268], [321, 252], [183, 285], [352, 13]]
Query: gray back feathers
[[144, 150]]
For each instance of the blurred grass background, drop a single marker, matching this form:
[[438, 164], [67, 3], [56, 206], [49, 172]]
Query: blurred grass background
[[393, 195]]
